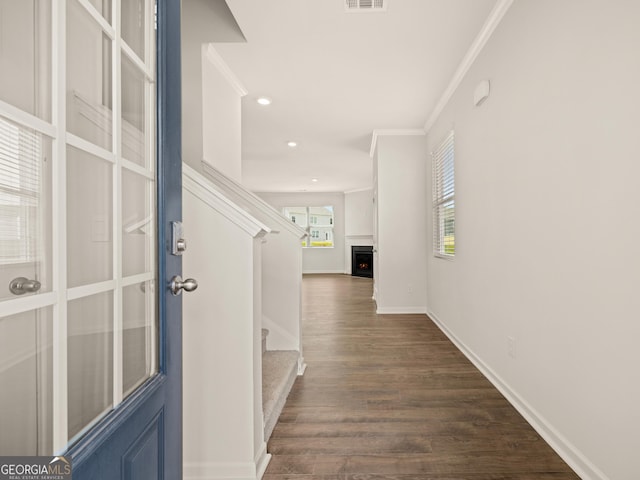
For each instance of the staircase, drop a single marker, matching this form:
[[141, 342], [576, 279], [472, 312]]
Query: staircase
[[273, 283], [279, 372]]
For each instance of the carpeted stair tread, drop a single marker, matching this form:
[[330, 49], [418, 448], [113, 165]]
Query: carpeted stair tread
[[279, 371]]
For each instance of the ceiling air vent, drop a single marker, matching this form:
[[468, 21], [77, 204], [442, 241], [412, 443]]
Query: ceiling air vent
[[361, 6]]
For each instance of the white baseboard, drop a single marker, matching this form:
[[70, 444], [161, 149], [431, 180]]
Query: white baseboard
[[323, 272], [301, 366], [401, 310], [228, 470], [262, 461], [562, 446]]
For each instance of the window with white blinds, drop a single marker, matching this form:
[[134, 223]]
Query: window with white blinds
[[20, 153], [444, 203]]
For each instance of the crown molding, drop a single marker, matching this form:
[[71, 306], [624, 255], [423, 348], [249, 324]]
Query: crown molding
[[392, 131], [493, 20], [357, 190], [214, 57]]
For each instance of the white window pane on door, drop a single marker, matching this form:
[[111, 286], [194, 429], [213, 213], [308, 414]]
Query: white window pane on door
[[26, 359], [138, 227], [25, 211], [134, 119], [133, 25], [25, 55], [89, 219], [90, 361], [139, 326], [89, 96], [103, 7]]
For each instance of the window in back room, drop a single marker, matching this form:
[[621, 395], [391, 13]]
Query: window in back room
[[317, 221]]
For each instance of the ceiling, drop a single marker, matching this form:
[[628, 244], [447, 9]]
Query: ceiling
[[334, 78]]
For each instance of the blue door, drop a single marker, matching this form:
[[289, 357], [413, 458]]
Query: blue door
[[90, 189], [142, 437]]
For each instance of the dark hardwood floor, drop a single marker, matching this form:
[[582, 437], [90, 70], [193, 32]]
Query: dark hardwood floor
[[390, 397]]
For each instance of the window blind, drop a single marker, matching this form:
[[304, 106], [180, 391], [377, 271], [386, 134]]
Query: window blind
[[444, 207], [20, 153]]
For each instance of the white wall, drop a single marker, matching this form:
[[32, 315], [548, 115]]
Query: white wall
[[221, 308], [282, 290], [211, 94], [222, 414], [358, 222], [281, 264], [221, 108], [547, 227], [402, 231], [211, 112], [192, 139], [358, 213], [317, 260]]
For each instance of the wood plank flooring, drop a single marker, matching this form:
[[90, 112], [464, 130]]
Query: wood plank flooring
[[390, 397]]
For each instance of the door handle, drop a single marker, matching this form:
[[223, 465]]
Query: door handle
[[177, 285], [22, 285]]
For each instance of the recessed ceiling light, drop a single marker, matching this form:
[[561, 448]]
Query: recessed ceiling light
[[264, 101], [292, 144], [314, 179]]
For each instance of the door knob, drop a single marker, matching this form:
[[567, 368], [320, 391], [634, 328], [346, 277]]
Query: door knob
[[22, 285], [177, 285]]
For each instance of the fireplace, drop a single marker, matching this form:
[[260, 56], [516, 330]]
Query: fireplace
[[362, 261]]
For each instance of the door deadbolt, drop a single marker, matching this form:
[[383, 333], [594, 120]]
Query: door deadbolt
[[178, 243], [181, 245]]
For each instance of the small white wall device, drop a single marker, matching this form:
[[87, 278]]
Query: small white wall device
[[481, 93]]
